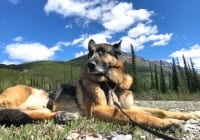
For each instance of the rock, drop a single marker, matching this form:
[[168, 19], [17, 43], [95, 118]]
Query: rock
[[122, 137], [73, 136], [191, 130]]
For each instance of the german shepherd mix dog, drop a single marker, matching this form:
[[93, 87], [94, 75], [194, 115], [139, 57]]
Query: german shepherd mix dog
[[102, 84]]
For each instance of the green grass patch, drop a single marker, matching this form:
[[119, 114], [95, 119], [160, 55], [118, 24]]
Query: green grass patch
[[48, 130]]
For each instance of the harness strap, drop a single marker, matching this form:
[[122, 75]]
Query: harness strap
[[156, 133]]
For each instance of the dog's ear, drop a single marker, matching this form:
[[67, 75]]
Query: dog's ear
[[91, 44], [117, 47]]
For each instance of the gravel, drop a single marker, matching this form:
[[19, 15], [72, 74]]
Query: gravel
[[171, 105]]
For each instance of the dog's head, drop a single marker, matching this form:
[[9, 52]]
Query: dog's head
[[101, 57]]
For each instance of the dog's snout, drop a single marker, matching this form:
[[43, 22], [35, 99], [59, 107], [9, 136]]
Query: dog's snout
[[92, 65]]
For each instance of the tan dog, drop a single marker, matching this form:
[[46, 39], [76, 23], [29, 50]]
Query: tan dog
[[101, 84]]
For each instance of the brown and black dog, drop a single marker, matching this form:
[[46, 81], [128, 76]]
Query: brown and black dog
[[102, 83]]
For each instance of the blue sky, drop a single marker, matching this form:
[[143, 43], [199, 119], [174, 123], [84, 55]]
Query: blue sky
[[32, 30]]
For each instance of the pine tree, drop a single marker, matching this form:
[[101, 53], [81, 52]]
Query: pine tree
[[156, 78], [181, 79], [175, 81], [162, 79], [134, 70], [151, 76], [71, 75], [170, 80], [187, 75], [195, 80]]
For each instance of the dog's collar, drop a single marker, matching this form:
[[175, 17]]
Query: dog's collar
[[107, 86]]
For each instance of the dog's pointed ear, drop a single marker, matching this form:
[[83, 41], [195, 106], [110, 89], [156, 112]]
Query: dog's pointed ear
[[117, 47], [91, 44]]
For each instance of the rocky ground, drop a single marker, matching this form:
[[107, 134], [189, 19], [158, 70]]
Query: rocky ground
[[172, 105], [190, 130]]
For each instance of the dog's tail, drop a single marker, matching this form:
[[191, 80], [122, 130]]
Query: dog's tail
[[13, 117]]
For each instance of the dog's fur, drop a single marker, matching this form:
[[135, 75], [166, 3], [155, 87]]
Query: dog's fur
[[102, 83]]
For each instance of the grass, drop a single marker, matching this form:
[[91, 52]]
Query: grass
[[48, 130]]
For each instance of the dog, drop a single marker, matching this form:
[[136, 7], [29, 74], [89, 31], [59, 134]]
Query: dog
[[103, 88]]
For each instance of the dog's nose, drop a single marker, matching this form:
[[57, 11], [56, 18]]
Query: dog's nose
[[91, 66]]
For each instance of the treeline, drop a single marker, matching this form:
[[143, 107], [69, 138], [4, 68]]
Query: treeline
[[40, 77], [153, 77], [174, 79]]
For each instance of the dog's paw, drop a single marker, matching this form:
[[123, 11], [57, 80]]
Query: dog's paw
[[173, 124], [63, 117]]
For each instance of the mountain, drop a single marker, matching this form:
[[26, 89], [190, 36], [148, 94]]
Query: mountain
[[126, 57], [50, 74]]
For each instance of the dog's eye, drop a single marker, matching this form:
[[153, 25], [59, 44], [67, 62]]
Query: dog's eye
[[101, 52], [90, 54]]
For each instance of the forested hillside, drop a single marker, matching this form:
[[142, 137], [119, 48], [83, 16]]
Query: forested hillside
[[152, 78], [43, 74]]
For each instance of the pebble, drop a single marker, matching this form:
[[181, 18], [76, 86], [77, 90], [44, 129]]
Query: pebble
[[191, 130], [122, 137]]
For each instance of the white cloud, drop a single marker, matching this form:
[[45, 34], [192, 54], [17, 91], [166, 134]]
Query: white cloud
[[18, 39], [112, 14], [160, 39], [8, 62], [60, 44], [68, 26], [29, 51], [116, 17], [123, 16], [193, 52], [139, 42], [87, 9], [78, 40], [142, 29], [14, 1], [127, 41], [81, 53], [157, 39], [99, 38]]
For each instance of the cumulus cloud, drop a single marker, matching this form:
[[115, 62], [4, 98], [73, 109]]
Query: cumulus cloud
[[81, 53], [68, 26], [139, 41], [157, 39], [123, 16], [18, 39], [58, 46], [115, 17], [8, 62], [78, 40], [142, 29], [127, 41], [29, 51], [87, 9], [193, 52], [84, 39]]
